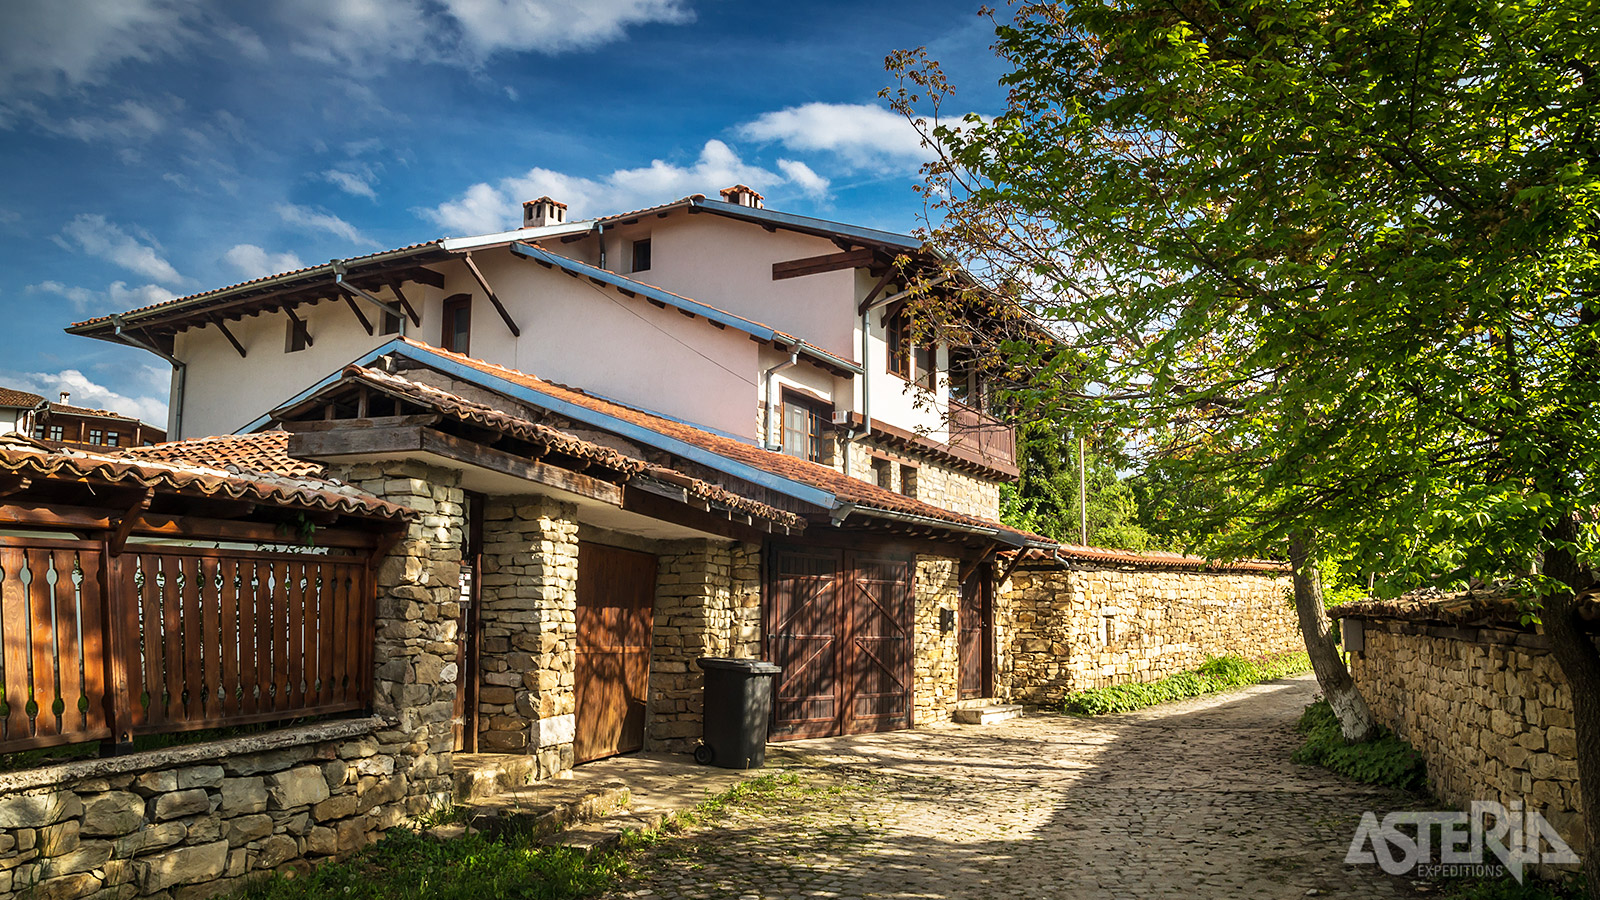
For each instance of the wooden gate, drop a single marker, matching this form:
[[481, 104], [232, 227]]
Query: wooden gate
[[839, 623], [616, 599], [977, 637]]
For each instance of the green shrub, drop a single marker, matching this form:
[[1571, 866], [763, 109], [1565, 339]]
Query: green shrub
[[1508, 889], [1384, 760], [1215, 674]]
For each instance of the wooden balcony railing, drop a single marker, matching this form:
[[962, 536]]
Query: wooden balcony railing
[[165, 639], [983, 434]]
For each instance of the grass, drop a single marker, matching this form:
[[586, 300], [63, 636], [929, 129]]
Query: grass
[[1216, 674], [1385, 760], [1508, 889], [409, 865]]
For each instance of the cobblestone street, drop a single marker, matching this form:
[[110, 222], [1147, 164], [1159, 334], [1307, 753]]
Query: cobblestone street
[[1195, 799]]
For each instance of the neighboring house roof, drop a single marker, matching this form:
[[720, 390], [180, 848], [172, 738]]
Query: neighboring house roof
[[662, 296], [264, 451], [61, 409], [18, 399], [807, 481], [32, 459], [1493, 606]]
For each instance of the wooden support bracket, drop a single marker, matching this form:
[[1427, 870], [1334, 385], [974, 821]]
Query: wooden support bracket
[[123, 525], [360, 316], [498, 306], [227, 333]]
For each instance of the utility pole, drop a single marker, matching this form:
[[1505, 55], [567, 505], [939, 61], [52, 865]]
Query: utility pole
[[1083, 496]]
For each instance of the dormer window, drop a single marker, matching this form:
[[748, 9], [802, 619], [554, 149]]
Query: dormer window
[[641, 256]]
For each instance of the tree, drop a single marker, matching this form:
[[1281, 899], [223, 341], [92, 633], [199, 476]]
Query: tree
[[1341, 255], [1045, 498]]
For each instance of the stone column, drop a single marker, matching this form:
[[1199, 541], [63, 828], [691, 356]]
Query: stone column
[[419, 585], [528, 629], [936, 673]]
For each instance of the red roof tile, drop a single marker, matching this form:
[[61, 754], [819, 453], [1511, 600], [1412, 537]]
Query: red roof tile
[[1154, 559], [32, 459], [19, 399], [849, 490], [265, 452]]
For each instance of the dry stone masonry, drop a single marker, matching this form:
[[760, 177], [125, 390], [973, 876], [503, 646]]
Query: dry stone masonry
[[935, 666], [1092, 626]]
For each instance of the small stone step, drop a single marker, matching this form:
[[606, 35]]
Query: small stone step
[[541, 810], [605, 834], [988, 715]]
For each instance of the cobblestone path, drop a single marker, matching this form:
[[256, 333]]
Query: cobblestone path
[[1195, 799]]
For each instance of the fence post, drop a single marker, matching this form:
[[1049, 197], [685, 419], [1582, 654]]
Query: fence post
[[119, 637]]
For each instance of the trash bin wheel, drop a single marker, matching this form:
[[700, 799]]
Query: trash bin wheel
[[703, 754]]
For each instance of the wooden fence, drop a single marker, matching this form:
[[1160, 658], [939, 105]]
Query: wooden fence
[[165, 639]]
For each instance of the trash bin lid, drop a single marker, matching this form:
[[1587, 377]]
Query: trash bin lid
[[752, 666]]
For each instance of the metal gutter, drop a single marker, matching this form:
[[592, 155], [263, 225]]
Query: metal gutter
[[806, 223], [481, 241], [180, 375], [678, 301]]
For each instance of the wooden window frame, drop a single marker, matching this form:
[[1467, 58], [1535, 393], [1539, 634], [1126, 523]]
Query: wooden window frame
[[916, 363], [454, 304], [644, 245], [58, 432], [391, 324], [818, 414], [298, 337], [908, 480]]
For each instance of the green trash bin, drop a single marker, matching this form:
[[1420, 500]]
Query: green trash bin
[[738, 705]]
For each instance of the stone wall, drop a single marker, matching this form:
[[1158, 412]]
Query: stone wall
[[937, 484], [528, 630], [1488, 709], [935, 667], [1160, 622], [708, 603], [192, 822]]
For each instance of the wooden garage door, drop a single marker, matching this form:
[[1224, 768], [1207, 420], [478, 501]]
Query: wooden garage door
[[616, 598], [839, 623]]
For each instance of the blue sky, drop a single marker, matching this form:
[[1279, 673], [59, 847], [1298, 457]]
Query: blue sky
[[155, 148]]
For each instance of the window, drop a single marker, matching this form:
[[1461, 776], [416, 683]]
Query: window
[[909, 360], [641, 255], [298, 338], [38, 432], [883, 473], [58, 433], [391, 323], [457, 328], [803, 425], [94, 436], [966, 377], [112, 438], [908, 480]]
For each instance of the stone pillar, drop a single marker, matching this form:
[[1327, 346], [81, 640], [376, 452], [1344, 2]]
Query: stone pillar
[[419, 592], [935, 667], [528, 629], [708, 603]]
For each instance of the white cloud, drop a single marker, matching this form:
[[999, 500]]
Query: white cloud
[[485, 208], [97, 237], [803, 177], [117, 297], [464, 32], [253, 262], [47, 45], [133, 121], [308, 219], [863, 135], [118, 395], [358, 183]]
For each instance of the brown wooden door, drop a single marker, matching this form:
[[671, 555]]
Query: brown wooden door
[[616, 599], [803, 638], [877, 681], [977, 637], [839, 624]]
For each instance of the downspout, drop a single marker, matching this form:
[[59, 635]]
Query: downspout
[[180, 377], [601, 231], [766, 426]]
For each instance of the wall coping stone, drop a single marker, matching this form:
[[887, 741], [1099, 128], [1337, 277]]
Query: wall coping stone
[[317, 732]]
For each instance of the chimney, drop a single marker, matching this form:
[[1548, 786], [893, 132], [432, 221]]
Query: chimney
[[64, 396], [742, 195], [543, 211]]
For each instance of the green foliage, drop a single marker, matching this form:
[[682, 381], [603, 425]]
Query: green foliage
[[1508, 888], [1216, 674], [406, 865], [1385, 760], [1044, 499]]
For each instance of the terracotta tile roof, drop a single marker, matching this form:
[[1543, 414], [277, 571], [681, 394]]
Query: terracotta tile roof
[[86, 412], [465, 410], [1480, 606], [32, 459], [1152, 559], [864, 495], [265, 452], [20, 399]]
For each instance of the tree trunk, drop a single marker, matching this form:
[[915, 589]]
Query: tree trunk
[[1355, 717], [1574, 652]]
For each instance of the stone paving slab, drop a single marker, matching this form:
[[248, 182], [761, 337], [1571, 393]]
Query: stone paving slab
[[1195, 799]]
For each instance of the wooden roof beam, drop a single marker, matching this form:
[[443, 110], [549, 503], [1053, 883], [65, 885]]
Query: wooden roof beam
[[360, 316], [405, 304], [300, 324], [499, 307], [223, 327]]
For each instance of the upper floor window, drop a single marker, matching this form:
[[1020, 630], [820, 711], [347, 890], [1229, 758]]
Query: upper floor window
[[883, 473], [641, 255], [457, 328], [58, 433], [298, 338], [38, 432], [95, 436], [804, 422], [113, 439], [908, 480], [907, 358], [391, 323]]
